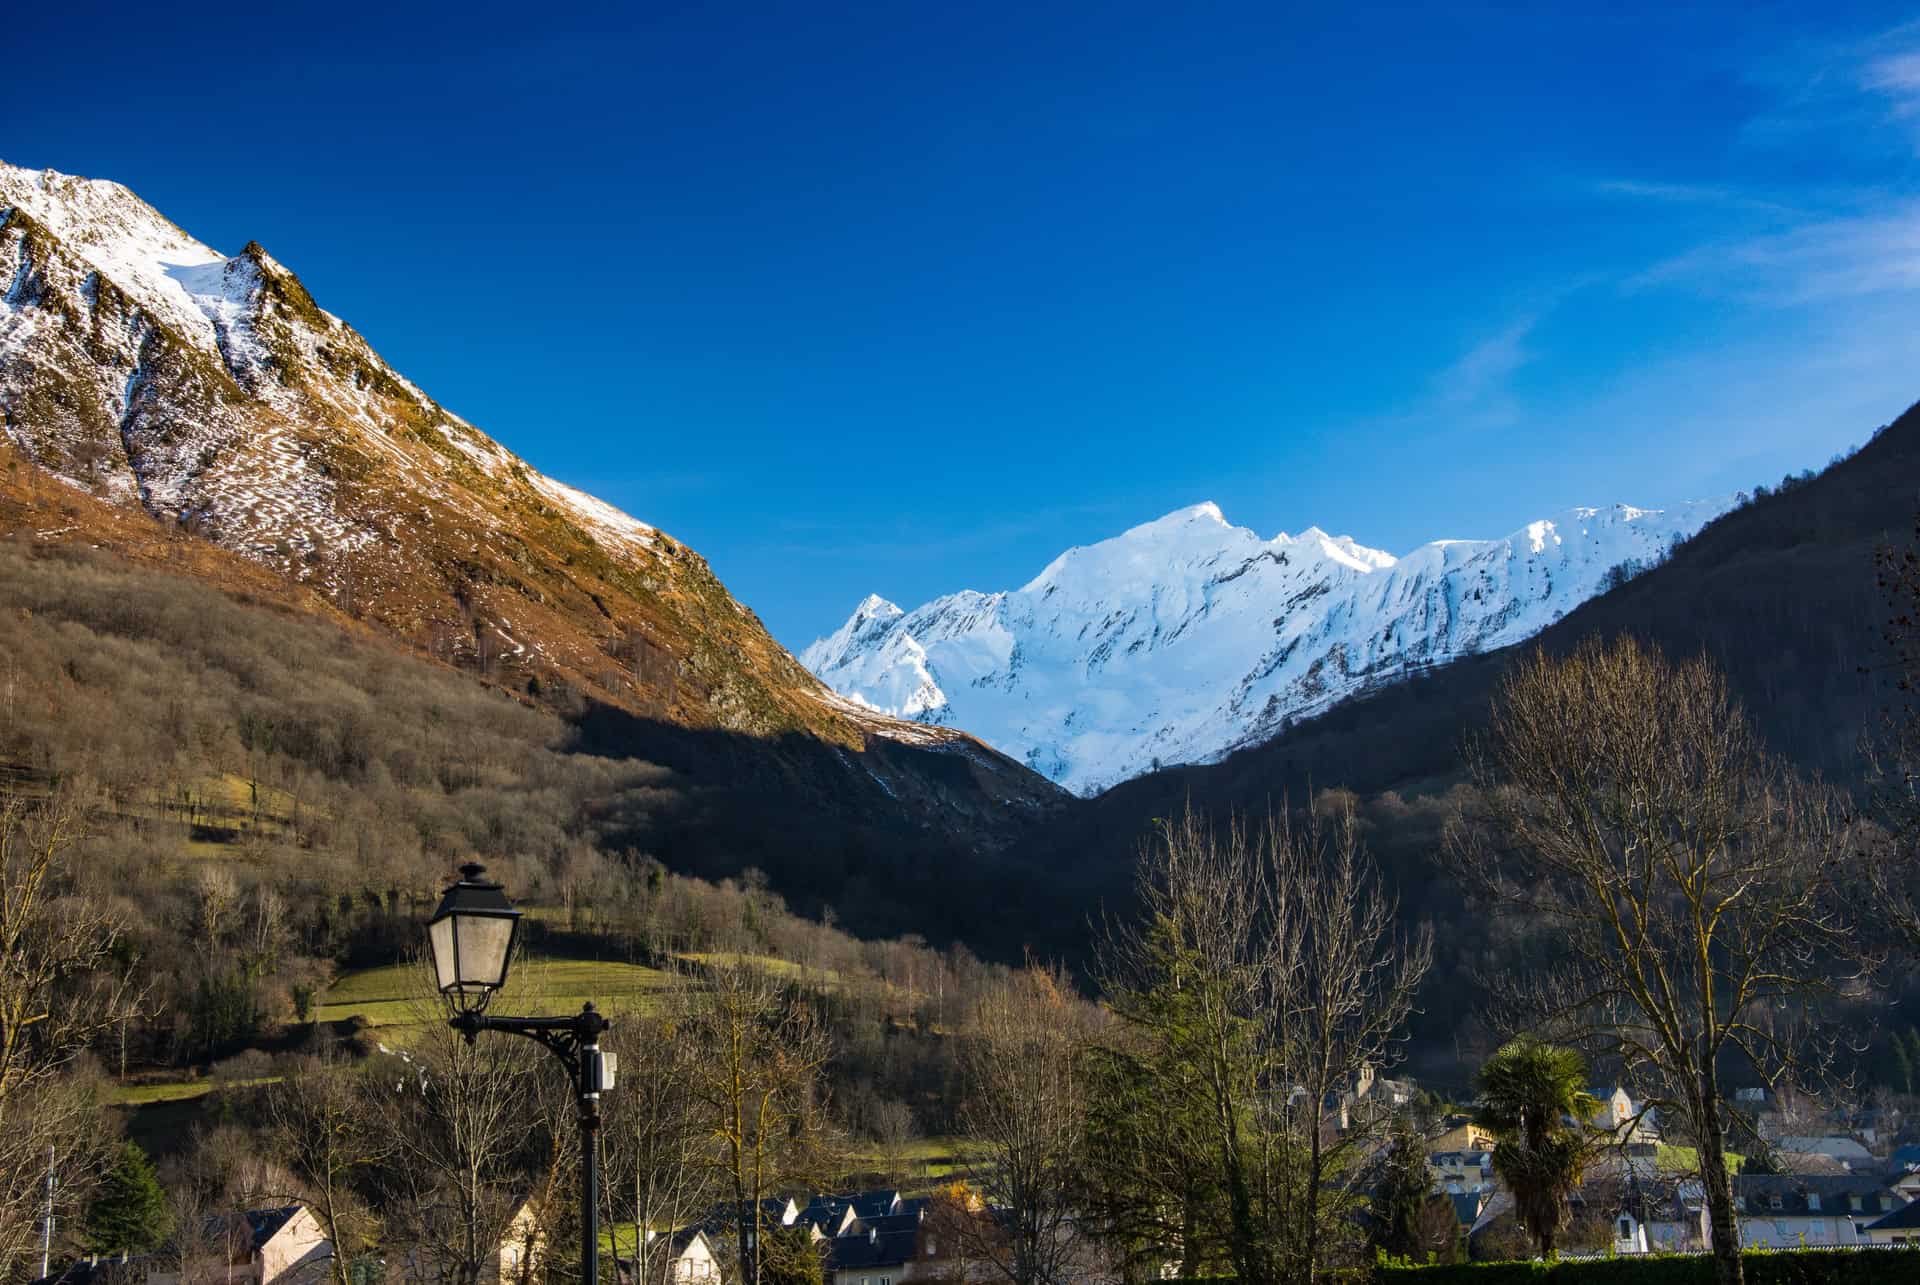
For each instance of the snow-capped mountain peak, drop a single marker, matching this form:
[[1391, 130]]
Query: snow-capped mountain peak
[[1182, 638]]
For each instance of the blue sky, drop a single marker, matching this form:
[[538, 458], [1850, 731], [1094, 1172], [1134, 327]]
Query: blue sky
[[909, 298]]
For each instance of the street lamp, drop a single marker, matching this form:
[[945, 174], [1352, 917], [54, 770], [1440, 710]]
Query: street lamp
[[472, 935]]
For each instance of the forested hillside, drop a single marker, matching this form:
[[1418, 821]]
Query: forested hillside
[[174, 675], [267, 801]]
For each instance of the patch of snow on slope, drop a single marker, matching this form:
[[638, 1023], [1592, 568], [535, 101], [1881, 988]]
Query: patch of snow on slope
[[602, 520], [122, 236]]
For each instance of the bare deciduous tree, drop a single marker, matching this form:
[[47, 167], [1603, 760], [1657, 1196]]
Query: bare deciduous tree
[[1025, 1114], [762, 1055], [1271, 983], [459, 1116], [327, 1135], [58, 994], [1687, 883], [659, 1145]]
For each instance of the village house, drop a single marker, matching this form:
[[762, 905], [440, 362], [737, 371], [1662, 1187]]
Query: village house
[[1783, 1211], [522, 1248], [1461, 1134], [1660, 1214], [1628, 1123], [884, 1243], [1903, 1171], [686, 1257], [1875, 1125], [880, 1251], [281, 1246], [1809, 1163], [829, 1216], [871, 1238], [721, 1223]]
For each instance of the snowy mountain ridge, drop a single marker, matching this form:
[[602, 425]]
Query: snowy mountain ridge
[[1184, 638], [211, 392], [250, 315]]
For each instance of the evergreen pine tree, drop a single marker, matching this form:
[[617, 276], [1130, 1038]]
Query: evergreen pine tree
[[1409, 1219], [1402, 1193], [129, 1213]]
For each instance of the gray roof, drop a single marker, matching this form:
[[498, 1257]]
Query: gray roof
[[1906, 1218], [1754, 1194], [886, 1249], [101, 1271], [876, 1204], [1467, 1205]]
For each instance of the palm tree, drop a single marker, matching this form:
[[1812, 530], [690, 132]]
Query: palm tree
[[1533, 1099]]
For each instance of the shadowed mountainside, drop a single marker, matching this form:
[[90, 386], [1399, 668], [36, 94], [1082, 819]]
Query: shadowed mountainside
[[1781, 593], [895, 836]]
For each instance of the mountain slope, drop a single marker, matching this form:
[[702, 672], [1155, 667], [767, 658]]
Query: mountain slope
[[155, 665], [1186, 638], [213, 394], [1781, 593]]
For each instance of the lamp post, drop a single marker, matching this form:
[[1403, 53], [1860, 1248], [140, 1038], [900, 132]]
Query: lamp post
[[472, 935]]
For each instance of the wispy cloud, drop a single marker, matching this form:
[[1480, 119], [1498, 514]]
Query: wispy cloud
[[1479, 385], [1823, 244], [1843, 93], [1694, 194], [1895, 77], [1821, 271], [1898, 77], [1821, 259]]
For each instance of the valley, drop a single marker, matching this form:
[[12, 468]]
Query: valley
[[283, 642]]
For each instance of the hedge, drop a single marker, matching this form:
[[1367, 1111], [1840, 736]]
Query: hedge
[[1764, 1267]]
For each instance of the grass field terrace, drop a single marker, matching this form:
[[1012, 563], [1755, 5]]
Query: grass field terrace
[[391, 995]]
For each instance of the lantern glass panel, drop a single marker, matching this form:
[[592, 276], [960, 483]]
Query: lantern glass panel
[[484, 941], [440, 938]]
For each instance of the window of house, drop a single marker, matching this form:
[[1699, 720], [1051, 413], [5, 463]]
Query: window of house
[[1854, 1201], [1773, 1201], [1626, 1228]]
